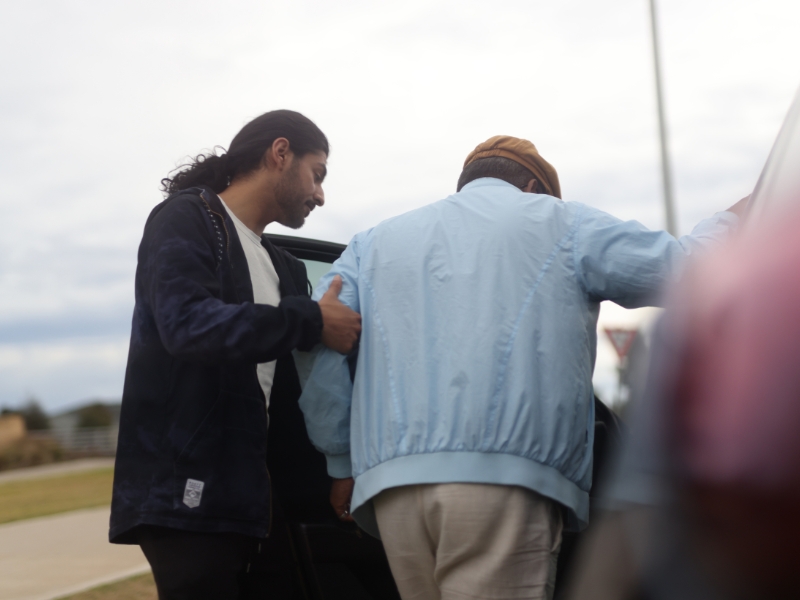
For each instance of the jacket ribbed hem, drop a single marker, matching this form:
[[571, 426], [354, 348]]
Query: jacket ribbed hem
[[124, 531], [467, 467]]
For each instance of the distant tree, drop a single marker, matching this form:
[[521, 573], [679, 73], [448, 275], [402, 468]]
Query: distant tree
[[94, 415], [34, 415]]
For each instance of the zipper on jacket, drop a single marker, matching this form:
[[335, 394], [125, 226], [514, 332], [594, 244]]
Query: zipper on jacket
[[227, 235], [224, 227], [269, 480], [211, 214]]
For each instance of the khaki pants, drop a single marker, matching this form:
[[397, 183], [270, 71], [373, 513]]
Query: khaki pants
[[459, 541]]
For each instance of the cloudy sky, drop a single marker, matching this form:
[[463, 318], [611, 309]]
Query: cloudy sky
[[100, 100]]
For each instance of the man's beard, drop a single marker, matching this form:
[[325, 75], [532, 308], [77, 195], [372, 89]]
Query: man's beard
[[291, 201]]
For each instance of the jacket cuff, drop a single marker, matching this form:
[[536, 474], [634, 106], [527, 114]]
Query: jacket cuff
[[339, 466], [314, 335], [728, 217], [311, 333]]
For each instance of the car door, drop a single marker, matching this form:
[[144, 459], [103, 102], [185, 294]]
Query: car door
[[334, 559], [778, 186]]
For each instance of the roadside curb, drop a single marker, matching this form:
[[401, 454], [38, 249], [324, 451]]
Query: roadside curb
[[83, 587]]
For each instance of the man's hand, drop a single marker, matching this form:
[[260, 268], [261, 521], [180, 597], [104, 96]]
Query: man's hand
[[340, 325], [740, 208], [341, 493]]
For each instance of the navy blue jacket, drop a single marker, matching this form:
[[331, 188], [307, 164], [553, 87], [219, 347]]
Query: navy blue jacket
[[192, 406]]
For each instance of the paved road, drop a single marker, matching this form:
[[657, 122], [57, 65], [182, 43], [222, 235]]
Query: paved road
[[50, 557], [53, 556]]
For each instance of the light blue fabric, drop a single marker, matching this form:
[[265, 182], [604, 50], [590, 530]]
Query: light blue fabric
[[478, 343]]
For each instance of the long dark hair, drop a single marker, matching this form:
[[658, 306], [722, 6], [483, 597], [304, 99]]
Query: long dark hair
[[247, 151]]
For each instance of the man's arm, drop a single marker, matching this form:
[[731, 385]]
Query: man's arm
[[626, 263], [341, 324], [327, 395], [178, 276]]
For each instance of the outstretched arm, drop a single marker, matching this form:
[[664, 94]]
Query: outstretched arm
[[627, 263]]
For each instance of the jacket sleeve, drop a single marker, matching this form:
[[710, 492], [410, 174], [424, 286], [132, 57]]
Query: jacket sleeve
[[180, 283], [327, 395], [626, 263]]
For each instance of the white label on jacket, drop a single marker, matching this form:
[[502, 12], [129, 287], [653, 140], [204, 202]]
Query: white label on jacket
[[193, 493]]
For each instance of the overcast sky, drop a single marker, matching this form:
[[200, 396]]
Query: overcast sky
[[100, 100]]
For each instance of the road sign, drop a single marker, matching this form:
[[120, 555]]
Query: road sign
[[621, 339]]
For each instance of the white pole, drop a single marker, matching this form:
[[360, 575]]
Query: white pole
[[666, 171]]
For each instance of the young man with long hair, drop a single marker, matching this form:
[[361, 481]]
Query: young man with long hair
[[218, 312]]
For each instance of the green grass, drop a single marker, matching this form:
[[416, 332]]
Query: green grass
[[141, 587], [39, 497]]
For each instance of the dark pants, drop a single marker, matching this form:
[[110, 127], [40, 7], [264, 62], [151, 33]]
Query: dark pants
[[189, 565]]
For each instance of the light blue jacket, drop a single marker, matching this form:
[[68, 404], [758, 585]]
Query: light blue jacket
[[478, 343]]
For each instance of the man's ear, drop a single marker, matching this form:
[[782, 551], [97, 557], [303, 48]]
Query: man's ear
[[277, 155], [531, 187]]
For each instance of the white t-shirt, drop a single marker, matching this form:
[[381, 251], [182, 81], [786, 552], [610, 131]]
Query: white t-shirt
[[266, 288]]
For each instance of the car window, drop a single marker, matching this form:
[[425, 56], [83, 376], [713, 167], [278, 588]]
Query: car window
[[779, 183], [316, 269]]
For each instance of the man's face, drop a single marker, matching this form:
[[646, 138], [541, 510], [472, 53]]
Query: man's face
[[299, 190]]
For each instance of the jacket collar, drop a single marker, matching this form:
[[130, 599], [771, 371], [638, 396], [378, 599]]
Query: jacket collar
[[488, 181]]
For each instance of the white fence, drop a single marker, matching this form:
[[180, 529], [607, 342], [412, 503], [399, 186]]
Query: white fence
[[89, 440]]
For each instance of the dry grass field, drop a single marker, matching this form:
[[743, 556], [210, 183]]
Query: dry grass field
[[141, 587], [39, 497]]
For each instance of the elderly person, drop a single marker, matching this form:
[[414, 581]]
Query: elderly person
[[469, 424]]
